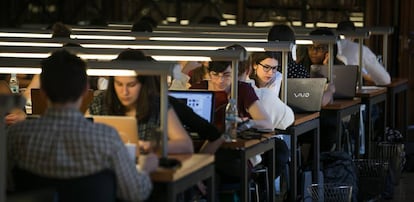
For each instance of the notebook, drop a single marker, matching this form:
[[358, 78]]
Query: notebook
[[39, 101], [344, 78], [201, 101], [305, 94], [126, 126]]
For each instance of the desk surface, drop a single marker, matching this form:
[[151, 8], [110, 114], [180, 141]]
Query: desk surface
[[370, 91], [302, 118], [396, 82], [341, 104], [189, 163], [244, 143]]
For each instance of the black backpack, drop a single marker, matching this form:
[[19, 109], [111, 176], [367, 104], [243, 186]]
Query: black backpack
[[338, 168]]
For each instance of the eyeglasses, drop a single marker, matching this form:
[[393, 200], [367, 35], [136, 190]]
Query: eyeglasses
[[267, 68], [225, 75], [317, 48]]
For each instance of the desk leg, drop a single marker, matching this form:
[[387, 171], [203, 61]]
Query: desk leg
[[293, 167], [210, 183], [244, 193], [171, 193], [316, 154]]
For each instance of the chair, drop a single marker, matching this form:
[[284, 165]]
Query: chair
[[98, 187]]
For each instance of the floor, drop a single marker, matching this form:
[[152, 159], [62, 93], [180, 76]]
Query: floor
[[405, 190]]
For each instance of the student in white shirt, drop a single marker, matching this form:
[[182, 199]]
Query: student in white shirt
[[373, 71]]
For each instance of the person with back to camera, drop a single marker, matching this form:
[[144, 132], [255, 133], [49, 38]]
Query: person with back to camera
[[63, 144], [373, 71]]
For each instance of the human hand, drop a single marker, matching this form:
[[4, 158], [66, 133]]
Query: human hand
[[16, 115], [148, 163], [326, 60]]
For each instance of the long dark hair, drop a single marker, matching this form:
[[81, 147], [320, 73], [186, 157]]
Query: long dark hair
[[256, 57], [148, 98]]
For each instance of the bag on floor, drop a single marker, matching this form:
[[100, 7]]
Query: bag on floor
[[338, 168]]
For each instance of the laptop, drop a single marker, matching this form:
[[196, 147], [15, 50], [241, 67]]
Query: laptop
[[126, 126], [344, 78], [39, 101], [305, 94], [201, 101]]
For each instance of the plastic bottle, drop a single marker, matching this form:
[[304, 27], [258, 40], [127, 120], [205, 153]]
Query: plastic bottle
[[14, 84], [231, 121]]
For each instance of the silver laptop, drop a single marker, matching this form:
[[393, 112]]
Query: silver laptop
[[305, 94], [344, 78]]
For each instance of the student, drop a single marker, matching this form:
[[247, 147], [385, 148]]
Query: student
[[138, 96], [373, 71], [63, 144], [264, 65], [249, 107]]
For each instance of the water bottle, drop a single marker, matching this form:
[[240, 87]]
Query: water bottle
[[14, 84], [231, 121]]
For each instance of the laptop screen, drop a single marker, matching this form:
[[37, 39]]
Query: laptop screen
[[202, 102]]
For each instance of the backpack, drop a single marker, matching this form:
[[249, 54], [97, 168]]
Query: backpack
[[338, 168]]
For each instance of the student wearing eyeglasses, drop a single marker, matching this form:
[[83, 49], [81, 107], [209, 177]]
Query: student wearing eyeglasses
[[265, 70]]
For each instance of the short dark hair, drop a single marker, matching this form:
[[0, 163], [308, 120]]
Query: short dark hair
[[321, 32], [218, 66], [345, 26], [142, 26], [61, 30], [63, 77], [281, 33]]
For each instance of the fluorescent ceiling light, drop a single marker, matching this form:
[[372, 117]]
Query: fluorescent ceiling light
[[25, 55], [33, 44], [359, 24], [20, 70], [129, 26], [97, 56], [228, 16], [326, 24], [184, 22], [110, 72], [100, 30], [180, 58], [171, 19], [75, 36], [25, 35], [296, 23], [151, 47], [204, 39], [231, 22], [304, 42], [263, 24], [309, 25], [356, 19]]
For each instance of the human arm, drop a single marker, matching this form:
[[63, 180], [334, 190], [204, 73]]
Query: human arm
[[132, 184], [178, 139], [260, 118], [375, 70], [328, 94], [35, 83]]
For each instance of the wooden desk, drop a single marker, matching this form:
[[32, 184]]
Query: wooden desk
[[397, 87], [168, 183], [303, 123], [250, 148], [370, 96], [338, 110]]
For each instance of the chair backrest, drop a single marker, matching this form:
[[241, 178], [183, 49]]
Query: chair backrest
[[98, 187]]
